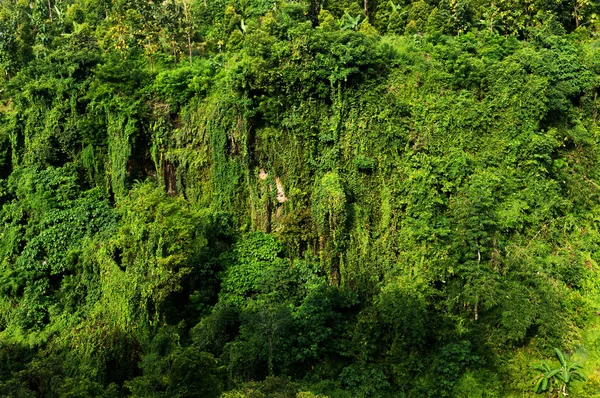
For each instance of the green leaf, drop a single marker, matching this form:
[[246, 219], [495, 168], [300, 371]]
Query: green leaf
[[552, 373], [544, 384], [538, 385], [561, 357], [578, 376]]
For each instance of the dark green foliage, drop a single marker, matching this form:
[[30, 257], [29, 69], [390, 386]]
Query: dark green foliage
[[173, 371]]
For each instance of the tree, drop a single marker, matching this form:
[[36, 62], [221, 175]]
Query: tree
[[578, 10], [188, 27], [349, 23], [556, 380], [418, 15], [170, 370]]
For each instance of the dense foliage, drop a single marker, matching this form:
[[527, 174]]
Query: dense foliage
[[325, 198]]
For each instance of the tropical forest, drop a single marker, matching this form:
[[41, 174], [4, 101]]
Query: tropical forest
[[299, 198]]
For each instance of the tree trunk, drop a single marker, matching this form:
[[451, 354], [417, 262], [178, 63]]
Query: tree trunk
[[189, 46], [315, 8], [270, 361], [188, 30], [366, 7], [50, 10], [150, 59]]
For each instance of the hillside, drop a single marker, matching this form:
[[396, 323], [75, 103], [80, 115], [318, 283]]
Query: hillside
[[273, 198]]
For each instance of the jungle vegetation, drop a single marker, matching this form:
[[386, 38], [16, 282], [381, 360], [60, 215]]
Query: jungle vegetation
[[276, 198]]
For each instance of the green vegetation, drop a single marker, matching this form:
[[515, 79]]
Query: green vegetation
[[304, 199], [559, 377]]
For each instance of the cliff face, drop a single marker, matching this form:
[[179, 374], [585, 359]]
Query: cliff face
[[291, 199]]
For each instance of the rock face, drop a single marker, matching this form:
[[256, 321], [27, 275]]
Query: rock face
[[281, 198]]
